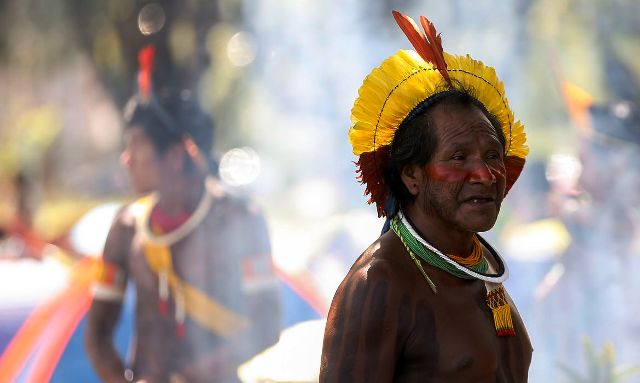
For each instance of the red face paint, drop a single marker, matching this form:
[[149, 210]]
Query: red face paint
[[446, 173]]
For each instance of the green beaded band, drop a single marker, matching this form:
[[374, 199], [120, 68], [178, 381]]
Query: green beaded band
[[419, 265], [428, 256]]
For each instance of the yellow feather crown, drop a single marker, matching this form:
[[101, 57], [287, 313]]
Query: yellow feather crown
[[392, 90]]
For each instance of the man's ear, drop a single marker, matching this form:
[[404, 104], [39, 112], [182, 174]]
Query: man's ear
[[412, 177]]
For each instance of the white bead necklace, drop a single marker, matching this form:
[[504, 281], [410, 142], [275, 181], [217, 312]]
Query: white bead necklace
[[493, 278]]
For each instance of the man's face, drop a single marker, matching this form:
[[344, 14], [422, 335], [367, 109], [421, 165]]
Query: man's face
[[465, 180], [141, 160]]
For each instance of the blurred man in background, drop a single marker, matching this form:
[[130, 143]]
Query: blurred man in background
[[595, 284], [199, 257]]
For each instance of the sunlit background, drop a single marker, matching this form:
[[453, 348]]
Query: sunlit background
[[280, 78]]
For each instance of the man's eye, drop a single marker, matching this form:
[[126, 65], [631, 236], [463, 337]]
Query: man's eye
[[458, 157]]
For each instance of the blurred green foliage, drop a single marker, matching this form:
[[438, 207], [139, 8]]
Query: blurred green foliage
[[600, 367]]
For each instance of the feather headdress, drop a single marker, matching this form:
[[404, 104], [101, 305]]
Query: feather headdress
[[392, 90], [148, 100]]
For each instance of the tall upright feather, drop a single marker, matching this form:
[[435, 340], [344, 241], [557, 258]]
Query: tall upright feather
[[415, 35], [145, 61], [435, 45], [430, 49]]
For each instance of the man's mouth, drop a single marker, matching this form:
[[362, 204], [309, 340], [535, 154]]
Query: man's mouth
[[479, 200]]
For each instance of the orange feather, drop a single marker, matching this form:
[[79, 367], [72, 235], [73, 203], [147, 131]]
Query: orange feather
[[145, 60], [435, 45], [415, 35], [428, 46]]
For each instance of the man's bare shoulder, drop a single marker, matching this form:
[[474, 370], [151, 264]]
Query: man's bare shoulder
[[371, 315], [384, 261], [120, 235], [231, 203], [125, 216]]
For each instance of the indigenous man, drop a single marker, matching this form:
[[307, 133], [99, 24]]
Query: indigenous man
[[199, 257], [438, 150]]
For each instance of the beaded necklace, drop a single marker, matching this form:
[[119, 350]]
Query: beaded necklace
[[411, 235], [431, 258], [473, 267]]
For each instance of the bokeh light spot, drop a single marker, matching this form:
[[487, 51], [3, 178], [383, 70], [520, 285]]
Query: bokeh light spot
[[241, 49], [239, 166], [151, 19]]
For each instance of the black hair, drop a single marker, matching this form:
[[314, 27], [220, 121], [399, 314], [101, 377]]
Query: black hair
[[415, 140], [169, 117]]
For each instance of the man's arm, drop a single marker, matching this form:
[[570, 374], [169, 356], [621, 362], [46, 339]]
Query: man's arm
[[107, 302], [103, 317], [366, 328]]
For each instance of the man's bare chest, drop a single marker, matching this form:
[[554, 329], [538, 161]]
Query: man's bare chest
[[454, 339]]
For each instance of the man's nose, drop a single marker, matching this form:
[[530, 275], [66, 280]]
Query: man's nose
[[480, 172]]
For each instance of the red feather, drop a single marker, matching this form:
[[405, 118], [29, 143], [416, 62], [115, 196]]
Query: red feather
[[429, 47], [371, 168], [435, 45], [414, 34], [145, 61], [513, 166]]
